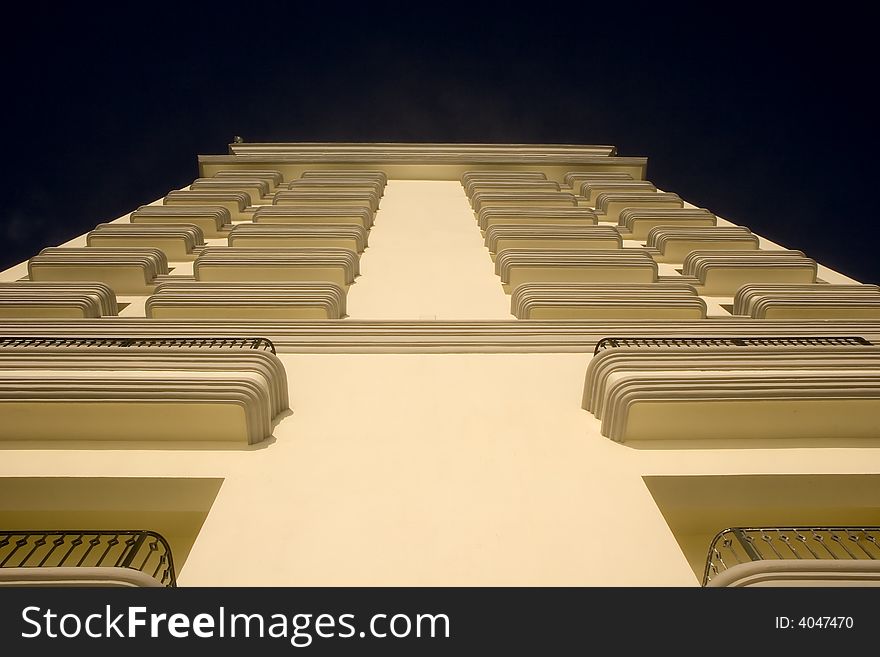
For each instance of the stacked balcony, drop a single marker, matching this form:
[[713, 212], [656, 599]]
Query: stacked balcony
[[241, 300], [723, 272], [241, 244], [808, 301], [674, 243], [29, 299], [561, 251], [177, 242], [822, 389], [292, 256], [636, 223], [126, 270], [606, 301], [213, 220], [185, 390]]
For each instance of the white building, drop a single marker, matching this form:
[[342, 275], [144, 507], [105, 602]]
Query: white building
[[434, 413]]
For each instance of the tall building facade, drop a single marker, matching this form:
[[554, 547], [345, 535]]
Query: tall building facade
[[435, 364]]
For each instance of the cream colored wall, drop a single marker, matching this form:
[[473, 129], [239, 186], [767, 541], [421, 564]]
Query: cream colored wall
[[426, 259], [436, 469], [433, 469]]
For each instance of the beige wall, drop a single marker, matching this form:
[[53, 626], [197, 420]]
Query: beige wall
[[436, 469], [433, 469], [426, 259]]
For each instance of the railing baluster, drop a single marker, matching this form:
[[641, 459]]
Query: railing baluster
[[101, 544], [770, 341], [259, 344], [780, 542]]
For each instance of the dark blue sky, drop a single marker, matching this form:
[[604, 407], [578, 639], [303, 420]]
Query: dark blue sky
[[765, 118]]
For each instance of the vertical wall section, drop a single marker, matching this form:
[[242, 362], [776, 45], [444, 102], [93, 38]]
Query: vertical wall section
[[426, 259]]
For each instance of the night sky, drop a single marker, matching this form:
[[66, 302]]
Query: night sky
[[764, 118]]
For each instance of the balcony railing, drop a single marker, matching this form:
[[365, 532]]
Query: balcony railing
[[259, 344], [140, 550], [795, 341], [738, 545]]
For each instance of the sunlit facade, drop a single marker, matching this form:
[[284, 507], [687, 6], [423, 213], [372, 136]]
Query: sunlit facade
[[435, 364]]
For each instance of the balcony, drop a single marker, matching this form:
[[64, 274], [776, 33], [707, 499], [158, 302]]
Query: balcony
[[792, 556], [187, 344], [538, 236], [301, 214], [137, 558], [30, 299], [486, 200], [810, 301], [232, 300], [764, 341], [168, 515], [366, 184], [127, 270], [215, 390], [236, 203], [723, 272], [503, 186], [177, 242], [536, 215], [213, 220], [273, 179], [574, 179], [326, 198], [606, 301], [786, 523], [469, 178], [590, 189], [611, 204], [518, 266], [342, 236], [334, 265], [635, 223], [814, 389], [674, 243], [256, 189]]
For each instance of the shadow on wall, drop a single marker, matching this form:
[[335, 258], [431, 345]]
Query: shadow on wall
[[176, 508], [696, 508]]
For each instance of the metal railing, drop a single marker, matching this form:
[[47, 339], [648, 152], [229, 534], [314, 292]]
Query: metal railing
[[260, 344], [766, 341], [737, 545], [145, 551]]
